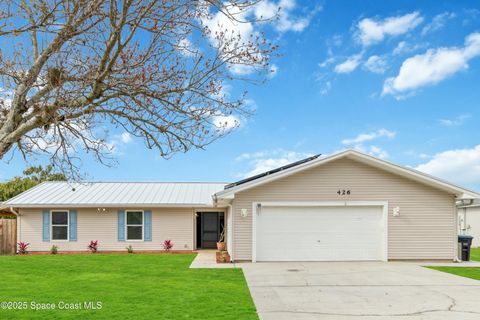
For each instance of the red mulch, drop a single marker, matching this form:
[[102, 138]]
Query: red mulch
[[40, 253]]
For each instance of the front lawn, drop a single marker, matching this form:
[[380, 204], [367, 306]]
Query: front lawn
[[475, 254], [468, 272], [135, 286]]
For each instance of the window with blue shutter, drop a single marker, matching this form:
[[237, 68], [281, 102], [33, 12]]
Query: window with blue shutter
[[73, 225], [148, 225], [46, 225], [121, 225]]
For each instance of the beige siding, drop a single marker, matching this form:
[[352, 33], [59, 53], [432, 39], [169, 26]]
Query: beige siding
[[473, 220], [174, 224], [425, 229]]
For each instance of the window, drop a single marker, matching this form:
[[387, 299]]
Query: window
[[134, 225], [59, 225]]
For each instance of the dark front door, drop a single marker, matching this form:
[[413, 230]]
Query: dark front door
[[210, 228]]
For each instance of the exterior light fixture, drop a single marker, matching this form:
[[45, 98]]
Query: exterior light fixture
[[244, 213], [396, 211]]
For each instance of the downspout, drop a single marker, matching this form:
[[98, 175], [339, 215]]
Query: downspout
[[455, 248], [230, 211]]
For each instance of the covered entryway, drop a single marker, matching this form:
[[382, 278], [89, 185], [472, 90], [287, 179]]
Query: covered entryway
[[209, 228], [319, 233]]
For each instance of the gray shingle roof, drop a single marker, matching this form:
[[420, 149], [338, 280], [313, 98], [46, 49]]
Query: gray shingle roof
[[110, 194]]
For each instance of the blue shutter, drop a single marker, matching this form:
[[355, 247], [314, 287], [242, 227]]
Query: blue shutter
[[46, 225], [121, 225], [147, 225], [72, 222]]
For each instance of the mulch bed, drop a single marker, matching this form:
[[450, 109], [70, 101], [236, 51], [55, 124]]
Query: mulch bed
[[41, 253]]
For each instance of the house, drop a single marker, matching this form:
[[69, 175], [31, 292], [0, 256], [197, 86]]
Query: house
[[469, 220], [345, 207]]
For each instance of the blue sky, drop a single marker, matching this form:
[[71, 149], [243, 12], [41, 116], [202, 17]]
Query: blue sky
[[396, 79]]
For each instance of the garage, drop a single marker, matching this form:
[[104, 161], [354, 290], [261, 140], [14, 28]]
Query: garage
[[319, 233]]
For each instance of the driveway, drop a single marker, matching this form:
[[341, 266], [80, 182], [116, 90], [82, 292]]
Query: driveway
[[360, 290]]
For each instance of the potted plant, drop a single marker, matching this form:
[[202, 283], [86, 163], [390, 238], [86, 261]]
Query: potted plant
[[221, 241], [222, 257]]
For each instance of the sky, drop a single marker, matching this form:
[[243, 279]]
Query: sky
[[396, 79]]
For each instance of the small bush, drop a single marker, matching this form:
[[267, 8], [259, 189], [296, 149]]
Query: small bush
[[167, 245], [54, 249], [129, 249], [22, 247], [93, 246]]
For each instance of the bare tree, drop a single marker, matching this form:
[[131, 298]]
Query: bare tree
[[157, 69]]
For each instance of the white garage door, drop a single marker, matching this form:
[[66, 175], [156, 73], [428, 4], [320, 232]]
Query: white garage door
[[319, 233]]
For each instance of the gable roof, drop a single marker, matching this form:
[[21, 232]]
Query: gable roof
[[409, 173], [117, 194]]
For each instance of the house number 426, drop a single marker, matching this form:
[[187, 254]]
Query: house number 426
[[343, 192]]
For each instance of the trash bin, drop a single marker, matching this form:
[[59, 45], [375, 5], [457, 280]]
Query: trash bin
[[465, 244]]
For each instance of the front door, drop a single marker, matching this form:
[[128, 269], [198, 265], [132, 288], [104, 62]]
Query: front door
[[210, 230]]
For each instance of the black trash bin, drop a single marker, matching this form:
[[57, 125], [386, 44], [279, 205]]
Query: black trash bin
[[465, 244]]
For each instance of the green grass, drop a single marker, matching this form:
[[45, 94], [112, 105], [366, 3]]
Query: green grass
[[468, 272], [475, 254], [128, 286]]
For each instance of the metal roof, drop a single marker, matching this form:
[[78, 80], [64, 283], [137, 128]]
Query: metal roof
[[111, 194]]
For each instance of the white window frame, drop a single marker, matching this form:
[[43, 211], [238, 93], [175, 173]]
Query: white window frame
[[134, 225], [60, 225]]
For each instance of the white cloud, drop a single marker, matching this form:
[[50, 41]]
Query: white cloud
[[226, 122], [433, 66], [326, 62], [118, 143], [372, 31], [283, 12], [461, 166], [263, 161], [126, 137], [348, 65], [403, 47], [364, 137], [359, 142], [457, 121], [376, 64], [246, 22], [273, 71], [438, 22], [325, 88], [187, 48]]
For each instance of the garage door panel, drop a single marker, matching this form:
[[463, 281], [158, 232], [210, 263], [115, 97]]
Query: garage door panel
[[319, 233]]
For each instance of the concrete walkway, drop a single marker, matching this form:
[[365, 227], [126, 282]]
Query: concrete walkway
[[207, 259], [360, 290]]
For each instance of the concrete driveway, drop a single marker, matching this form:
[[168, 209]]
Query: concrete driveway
[[363, 290]]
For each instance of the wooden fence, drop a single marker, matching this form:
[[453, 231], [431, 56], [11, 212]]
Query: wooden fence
[[8, 236]]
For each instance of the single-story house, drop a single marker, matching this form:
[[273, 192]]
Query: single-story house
[[469, 220], [348, 206]]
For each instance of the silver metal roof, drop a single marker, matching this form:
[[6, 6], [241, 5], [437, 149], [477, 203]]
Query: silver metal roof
[[114, 194]]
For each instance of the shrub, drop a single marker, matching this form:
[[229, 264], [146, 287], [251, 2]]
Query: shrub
[[167, 245], [22, 247], [54, 249], [93, 246], [129, 249]]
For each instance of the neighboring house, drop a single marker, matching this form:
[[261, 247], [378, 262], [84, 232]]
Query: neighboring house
[[469, 221], [348, 206]]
